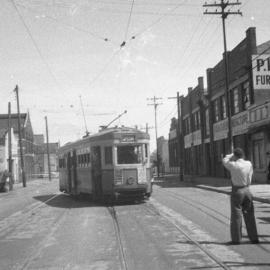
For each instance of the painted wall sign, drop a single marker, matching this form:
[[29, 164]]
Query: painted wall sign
[[194, 139], [261, 71], [220, 130], [239, 123]]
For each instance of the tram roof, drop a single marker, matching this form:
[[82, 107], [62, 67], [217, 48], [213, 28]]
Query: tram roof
[[107, 134]]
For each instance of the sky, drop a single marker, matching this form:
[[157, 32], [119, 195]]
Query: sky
[[98, 58]]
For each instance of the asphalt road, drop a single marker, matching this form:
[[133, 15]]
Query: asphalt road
[[178, 228]]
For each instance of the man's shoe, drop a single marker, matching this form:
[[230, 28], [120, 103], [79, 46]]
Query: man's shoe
[[233, 243], [255, 241]]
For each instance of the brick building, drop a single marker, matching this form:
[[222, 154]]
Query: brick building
[[204, 115]]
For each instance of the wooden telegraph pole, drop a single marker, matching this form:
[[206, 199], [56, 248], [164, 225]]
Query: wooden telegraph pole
[[48, 149], [180, 137], [10, 169], [224, 14], [20, 137], [155, 104]]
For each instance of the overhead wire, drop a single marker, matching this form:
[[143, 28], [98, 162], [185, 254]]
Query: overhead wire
[[197, 57], [35, 44], [93, 34], [104, 68], [45, 62], [164, 120], [190, 41], [157, 20], [129, 20]]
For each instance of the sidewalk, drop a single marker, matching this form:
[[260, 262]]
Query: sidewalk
[[261, 192]]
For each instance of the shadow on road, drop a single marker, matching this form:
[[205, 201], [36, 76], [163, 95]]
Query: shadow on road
[[81, 201]]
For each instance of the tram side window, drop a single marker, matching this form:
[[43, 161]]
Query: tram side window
[[129, 154], [87, 159], [84, 160], [108, 155]]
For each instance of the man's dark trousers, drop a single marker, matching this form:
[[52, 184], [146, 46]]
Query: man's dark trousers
[[241, 203]]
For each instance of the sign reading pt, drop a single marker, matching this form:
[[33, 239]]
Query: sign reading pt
[[261, 71]]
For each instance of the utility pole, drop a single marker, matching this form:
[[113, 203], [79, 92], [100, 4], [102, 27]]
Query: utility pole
[[179, 137], [48, 149], [20, 136], [155, 104], [224, 14], [10, 170]]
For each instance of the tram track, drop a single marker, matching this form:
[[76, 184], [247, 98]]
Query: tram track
[[154, 212], [202, 207], [195, 205], [151, 209], [123, 259], [10, 223], [26, 263]]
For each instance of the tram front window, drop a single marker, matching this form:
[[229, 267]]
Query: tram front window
[[129, 154]]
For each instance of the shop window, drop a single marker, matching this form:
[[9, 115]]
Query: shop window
[[258, 150], [216, 111], [207, 125], [264, 113], [235, 101], [197, 120], [246, 95], [223, 107], [187, 125]]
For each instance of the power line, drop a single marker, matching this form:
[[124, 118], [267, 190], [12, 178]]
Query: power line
[[129, 19], [93, 34], [173, 111], [103, 69], [35, 44], [158, 20]]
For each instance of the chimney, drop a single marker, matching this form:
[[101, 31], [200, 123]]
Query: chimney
[[200, 82], [251, 40]]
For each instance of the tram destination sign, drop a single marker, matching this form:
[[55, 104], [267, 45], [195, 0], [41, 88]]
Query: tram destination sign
[[128, 138], [261, 71]]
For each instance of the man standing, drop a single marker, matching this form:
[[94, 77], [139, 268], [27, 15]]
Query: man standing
[[241, 198]]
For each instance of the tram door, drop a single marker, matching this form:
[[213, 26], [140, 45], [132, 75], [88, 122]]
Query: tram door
[[96, 171]]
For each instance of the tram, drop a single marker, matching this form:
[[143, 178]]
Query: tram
[[113, 163]]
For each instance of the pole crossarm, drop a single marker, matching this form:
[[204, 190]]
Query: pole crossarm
[[223, 13], [222, 5]]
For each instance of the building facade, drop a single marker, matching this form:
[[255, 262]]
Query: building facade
[[27, 142], [163, 152], [204, 113], [4, 153], [41, 157]]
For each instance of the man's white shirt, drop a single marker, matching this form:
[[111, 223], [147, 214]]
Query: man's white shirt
[[241, 170]]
